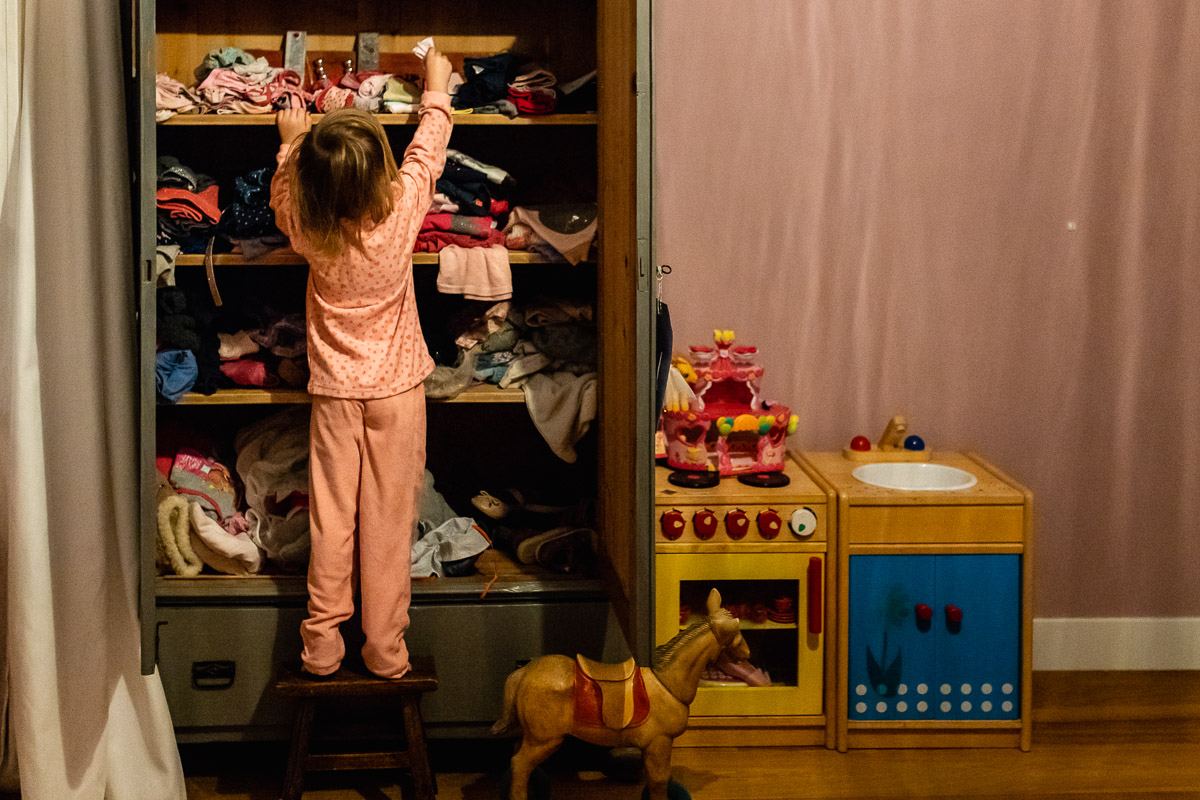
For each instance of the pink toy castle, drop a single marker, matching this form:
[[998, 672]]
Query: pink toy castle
[[732, 430]]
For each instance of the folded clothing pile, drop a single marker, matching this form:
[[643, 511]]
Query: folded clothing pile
[[365, 90], [171, 97], [267, 356], [272, 461], [249, 221], [532, 90], [234, 82], [548, 348], [188, 210], [198, 521], [561, 231], [187, 358], [485, 82]]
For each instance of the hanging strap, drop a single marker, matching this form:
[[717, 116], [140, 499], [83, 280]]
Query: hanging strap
[[212, 277]]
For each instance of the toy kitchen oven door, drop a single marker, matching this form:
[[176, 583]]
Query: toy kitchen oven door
[[765, 550]]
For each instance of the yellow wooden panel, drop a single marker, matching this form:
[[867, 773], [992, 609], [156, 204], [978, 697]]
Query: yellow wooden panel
[[941, 524], [791, 735], [785, 537], [806, 697]]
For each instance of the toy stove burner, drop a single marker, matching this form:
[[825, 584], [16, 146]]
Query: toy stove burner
[[694, 480], [765, 480]]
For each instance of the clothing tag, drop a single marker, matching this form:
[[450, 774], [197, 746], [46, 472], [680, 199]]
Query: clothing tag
[[423, 47]]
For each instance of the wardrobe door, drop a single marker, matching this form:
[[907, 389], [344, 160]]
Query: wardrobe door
[[624, 310], [138, 41]]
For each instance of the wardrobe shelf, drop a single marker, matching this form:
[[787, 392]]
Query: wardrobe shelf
[[288, 258], [512, 580], [486, 393], [225, 120]]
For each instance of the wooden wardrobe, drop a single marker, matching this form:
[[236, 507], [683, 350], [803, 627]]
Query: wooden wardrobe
[[218, 640]]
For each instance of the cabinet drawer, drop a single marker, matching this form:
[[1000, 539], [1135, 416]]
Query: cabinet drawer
[[934, 524], [217, 663]]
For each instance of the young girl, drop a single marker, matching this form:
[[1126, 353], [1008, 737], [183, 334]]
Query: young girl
[[354, 216]]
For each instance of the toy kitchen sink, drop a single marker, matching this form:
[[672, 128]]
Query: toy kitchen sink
[[934, 622]]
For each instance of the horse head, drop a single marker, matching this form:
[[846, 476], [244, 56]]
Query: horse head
[[727, 628]]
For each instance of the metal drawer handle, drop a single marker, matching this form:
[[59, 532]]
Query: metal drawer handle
[[213, 675]]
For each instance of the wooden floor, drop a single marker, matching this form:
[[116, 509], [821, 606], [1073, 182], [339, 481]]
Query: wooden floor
[[1096, 735]]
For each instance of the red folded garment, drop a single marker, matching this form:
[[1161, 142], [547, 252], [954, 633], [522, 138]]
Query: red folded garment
[[433, 241], [199, 206], [249, 372], [479, 227], [534, 101]]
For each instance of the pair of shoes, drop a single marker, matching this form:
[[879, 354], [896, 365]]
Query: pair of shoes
[[540, 548], [312, 676], [504, 503], [491, 505]]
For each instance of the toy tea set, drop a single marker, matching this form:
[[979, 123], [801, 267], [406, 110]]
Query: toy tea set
[[729, 429]]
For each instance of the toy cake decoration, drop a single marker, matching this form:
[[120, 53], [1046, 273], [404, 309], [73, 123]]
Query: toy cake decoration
[[731, 429]]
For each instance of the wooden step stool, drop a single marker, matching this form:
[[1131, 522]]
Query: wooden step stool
[[358, 682]]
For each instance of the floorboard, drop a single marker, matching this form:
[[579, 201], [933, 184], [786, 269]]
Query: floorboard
[[1096, 736]]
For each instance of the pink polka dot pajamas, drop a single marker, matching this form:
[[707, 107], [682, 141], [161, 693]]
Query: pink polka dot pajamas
[[367, 453]]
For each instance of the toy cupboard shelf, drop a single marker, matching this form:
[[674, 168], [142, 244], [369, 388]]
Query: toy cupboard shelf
[[225, 120], [241, 397]]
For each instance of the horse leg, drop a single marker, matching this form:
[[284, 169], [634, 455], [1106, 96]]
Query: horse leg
[[657, 760], [530, 754]]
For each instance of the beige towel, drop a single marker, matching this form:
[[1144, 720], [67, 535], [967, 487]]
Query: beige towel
[[477, 273]]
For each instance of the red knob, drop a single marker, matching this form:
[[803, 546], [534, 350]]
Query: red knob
[[737, 524], [769, 523], [704, 523], [860, 443], [924, 612], [953, 614], [673, 524]]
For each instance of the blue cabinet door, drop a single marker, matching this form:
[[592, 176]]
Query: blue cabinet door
[[979, 655], [892, 654]]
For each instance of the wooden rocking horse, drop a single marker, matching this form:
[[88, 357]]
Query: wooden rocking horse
[[615, 705]]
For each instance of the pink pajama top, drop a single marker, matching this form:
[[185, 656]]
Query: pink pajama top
[[364, 337]]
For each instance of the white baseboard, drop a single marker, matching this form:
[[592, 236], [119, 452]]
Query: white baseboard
[[1118, 643]]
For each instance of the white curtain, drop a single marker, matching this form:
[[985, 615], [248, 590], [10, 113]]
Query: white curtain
[[81, 718]]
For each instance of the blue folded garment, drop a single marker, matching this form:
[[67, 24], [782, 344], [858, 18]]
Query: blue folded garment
[[175, 373]]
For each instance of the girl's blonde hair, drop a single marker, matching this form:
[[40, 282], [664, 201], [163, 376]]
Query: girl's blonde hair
[[343, 171]]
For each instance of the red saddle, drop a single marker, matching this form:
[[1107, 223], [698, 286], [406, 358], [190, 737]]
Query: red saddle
[[610, 696]]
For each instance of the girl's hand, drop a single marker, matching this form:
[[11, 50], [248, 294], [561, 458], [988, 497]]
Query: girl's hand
[[292, 122], [437, 71]]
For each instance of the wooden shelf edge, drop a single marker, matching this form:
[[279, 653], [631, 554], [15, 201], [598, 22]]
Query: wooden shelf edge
[[236, 120], [294, 260], [250, 397]]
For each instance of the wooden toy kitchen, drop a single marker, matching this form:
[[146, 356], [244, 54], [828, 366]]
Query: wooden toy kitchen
[[884, 590]]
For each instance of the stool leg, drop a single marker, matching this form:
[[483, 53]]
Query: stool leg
[[293, 782], [418, 755]]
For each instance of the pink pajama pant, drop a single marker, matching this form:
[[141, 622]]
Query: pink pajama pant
[[367, 461]]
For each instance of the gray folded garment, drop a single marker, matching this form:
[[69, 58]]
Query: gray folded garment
[[445, 383], [562, 407], [455, 540]]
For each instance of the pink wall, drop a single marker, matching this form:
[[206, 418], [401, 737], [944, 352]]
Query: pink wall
[[983, 215]]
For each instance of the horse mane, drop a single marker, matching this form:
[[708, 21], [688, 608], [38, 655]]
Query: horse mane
[[664, 654]]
